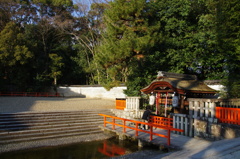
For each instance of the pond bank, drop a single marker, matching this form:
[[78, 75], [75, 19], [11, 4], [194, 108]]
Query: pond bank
[[53, 142]]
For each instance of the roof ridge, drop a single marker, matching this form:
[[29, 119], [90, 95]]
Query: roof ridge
[[176, 75]]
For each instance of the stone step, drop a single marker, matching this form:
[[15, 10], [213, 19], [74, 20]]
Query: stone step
[[21, 127], [44, 131], [43, 116], [46, 115], [33, 124], [48, 136], [54, 113], [48, 120], [17, 129]]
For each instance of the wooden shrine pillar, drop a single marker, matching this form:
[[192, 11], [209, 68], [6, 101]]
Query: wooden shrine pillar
[[157, 102], [182, 104]]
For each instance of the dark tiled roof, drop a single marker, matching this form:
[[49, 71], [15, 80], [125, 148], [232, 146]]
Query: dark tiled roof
[[193, 85], [180, 82]]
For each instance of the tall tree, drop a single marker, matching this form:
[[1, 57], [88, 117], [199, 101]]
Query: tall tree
[[228, 15], [131, 29], [14, 54], [87, 33]]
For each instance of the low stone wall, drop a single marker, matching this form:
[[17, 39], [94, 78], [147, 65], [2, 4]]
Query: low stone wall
[[128, 114], [215, 131], [92, 92]]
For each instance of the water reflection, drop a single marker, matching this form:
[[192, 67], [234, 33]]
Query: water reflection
[[111, 150], [88, 150]]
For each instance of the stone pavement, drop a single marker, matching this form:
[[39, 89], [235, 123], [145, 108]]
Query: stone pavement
[[192, 148], [187, 148]]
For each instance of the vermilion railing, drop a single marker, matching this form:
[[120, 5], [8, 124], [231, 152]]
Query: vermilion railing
[[136, 127], [161, 121], [30, 94], [228, 115]]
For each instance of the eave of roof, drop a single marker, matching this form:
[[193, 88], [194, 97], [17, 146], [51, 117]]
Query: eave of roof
[[179, 85]]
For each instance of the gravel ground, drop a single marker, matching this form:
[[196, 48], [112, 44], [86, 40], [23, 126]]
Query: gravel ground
[[47, 104]]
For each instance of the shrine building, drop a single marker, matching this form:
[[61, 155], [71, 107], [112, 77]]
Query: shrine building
[[171, 91]]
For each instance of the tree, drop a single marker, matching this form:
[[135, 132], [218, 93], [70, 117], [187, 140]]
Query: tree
[[228, 14], [171, 35], [14, 53], [131, 29], [37, 22], [87, 33], [55, 66]]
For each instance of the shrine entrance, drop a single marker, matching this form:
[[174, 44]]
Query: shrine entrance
[[171, 90]]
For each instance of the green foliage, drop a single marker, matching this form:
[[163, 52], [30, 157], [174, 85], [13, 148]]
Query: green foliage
[[14, 56], [131, 30], [12, 48], [56, 64], [171, 35], [122, 41]]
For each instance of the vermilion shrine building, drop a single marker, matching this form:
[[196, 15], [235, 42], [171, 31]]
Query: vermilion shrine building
[[182, 86]]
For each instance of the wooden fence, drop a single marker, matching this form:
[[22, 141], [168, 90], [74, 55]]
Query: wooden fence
[[228, 115], [214, 110], [130, 103], [181, 121], [120, 104]]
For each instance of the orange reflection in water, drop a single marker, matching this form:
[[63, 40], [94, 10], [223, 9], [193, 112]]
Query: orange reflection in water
[[111, 150]]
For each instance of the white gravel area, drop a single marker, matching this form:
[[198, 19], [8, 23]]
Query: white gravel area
[[44, 104]]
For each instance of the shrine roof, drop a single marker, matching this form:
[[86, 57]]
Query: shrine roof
[[180, 83]]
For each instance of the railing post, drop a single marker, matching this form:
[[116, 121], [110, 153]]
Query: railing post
[[113, 126], [104, 121], [136, 133], [124, 126], [151, 132], [169, 132], [169, 122]]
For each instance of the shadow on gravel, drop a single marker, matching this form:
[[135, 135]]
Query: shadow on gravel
[[50, 104], [9, 122], [24, 104]]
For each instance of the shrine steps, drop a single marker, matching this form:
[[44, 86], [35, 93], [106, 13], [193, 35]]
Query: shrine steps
[[30, 126]]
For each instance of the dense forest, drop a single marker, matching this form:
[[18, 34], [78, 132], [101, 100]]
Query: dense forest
[[46, 43]]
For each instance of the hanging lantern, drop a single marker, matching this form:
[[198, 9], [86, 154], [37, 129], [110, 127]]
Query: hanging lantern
[[151, 99], [175, 100]]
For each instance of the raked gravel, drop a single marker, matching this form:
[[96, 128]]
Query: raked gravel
[[48, 104]]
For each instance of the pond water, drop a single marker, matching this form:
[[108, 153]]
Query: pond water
[[87, 150]]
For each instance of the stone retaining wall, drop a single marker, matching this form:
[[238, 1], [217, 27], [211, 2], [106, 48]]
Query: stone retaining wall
[[215, 131]]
